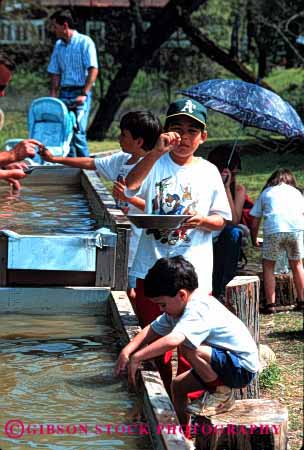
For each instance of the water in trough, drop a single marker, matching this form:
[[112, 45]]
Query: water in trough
[[57, 386], [45, 209]]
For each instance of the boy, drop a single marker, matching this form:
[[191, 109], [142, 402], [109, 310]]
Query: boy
[[216, 343], [139, 133], [172, 180]]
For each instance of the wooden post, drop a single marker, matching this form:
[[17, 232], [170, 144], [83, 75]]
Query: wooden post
[[242, 298], [285, 289], [251, 424]]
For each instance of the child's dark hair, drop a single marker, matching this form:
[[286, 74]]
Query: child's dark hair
[[220, 156], [281, 176], [142, 124], [6, 61], [168, 276], [63, 16]]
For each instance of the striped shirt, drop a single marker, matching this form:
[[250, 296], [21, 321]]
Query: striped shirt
[[73, 59]]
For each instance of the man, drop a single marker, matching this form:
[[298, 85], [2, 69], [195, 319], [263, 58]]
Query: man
[[73, 68], [13, 170]]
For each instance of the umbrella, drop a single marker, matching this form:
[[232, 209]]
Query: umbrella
[[250, 104]]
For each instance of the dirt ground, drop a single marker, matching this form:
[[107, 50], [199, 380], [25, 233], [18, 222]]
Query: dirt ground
[[283, 332]]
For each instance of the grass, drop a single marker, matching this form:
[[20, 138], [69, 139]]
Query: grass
[[283, 333]]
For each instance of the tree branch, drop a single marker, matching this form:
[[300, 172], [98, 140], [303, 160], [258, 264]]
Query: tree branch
[[210, 49]]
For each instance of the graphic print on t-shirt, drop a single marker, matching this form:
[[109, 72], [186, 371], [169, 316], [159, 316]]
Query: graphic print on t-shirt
[[172, 199]]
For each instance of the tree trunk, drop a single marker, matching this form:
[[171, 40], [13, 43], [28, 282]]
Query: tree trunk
[[161, 29], [210, 49], [242, 299], [251, 424]]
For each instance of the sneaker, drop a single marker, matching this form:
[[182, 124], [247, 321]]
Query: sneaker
[[220, 401]]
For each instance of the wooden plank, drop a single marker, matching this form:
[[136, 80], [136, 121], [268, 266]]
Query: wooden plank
[[164, 427], [105, 266], [107, 214], [3, 259], [49, 278], [250, 425], [242, 298], [80, 300]]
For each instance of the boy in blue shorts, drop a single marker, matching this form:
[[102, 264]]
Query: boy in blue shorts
[[219, 347], [139, 133]]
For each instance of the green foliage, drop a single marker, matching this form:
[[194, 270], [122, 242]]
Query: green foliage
[[270, 376]]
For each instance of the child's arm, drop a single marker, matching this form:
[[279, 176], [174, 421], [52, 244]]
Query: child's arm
[[254, 230], [156, 348], [146, 336], [80, 163], [165, 143], [119, 194]]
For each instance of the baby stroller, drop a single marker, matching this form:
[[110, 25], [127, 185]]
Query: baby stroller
[[51, 123]]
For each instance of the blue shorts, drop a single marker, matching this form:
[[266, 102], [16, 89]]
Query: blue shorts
[[227, 365]]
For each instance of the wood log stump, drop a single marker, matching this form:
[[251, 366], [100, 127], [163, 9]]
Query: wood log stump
[[242, 299], [250, 425], [285, 289]]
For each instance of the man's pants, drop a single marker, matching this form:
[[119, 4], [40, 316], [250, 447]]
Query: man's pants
[[79, 145]]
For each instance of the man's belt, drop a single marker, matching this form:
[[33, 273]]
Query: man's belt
[[71, 88]]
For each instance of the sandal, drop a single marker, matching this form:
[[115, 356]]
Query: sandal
[[269, 309]]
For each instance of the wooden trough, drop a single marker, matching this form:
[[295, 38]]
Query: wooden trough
[[114, 306], [99, 259]]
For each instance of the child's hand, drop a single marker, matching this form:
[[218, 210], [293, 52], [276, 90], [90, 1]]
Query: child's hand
[[226, 177], [256, 243], [45, 154], [122, 362], [25, 149], [167, 141], [119, 191], [193, 222], [134, 365]]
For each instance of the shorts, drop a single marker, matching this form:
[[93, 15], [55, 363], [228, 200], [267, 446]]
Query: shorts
[[291, 242], [227, 365]]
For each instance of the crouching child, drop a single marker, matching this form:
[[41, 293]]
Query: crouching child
[[218, 346]]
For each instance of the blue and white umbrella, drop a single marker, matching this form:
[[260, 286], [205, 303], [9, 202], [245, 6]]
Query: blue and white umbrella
[[250, 104]]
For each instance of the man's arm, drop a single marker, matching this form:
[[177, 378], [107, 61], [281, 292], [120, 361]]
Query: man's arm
[[91, 78], [55, 85], [165, 143], [21, 151]]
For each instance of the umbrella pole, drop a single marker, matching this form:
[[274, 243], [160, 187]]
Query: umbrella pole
[[236, 141]]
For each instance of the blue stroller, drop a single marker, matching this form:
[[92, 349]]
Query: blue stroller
[[51, 123]]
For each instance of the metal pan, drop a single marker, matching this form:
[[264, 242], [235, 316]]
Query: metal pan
[[154, 221]]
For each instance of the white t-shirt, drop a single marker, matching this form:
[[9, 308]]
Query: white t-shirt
[[206, 320], [170, 188], [282, 208], [113, 167]]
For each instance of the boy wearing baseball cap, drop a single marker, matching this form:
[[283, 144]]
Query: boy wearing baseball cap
[[173, 181]]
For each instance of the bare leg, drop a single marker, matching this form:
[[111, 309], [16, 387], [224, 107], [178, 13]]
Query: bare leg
[[269, 281], [200, 360], [180, 387], [298, 277]]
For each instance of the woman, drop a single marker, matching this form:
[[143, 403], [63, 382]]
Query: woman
[[227, 244]]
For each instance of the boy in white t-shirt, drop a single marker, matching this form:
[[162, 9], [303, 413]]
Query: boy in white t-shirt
[[139, 133], [217, 344], [173, 181]]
